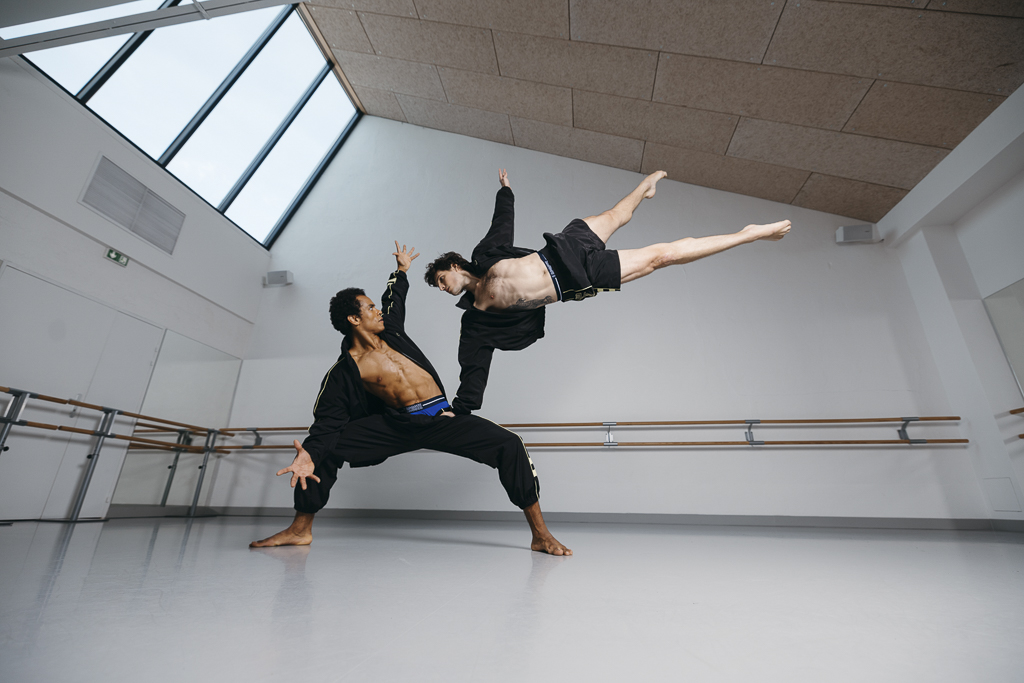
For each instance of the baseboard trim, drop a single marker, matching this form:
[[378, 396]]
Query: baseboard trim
[[926, 523]]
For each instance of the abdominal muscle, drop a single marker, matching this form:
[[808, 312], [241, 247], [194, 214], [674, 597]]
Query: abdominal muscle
[[517, 284], [395, 379]]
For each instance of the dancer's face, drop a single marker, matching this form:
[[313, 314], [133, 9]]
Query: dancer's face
[[370, 319], [452, 281]]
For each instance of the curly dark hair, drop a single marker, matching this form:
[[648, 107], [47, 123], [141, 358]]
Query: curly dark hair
[[442, 263], [344, 304]]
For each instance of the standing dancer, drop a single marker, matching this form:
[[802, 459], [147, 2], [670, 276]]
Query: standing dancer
[[382, 398]]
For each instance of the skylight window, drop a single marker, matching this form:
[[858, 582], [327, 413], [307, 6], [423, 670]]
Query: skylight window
[[243, 108]]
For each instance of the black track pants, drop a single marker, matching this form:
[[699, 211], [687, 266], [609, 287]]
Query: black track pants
[[372, 440]]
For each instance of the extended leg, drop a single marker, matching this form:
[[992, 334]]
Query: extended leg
[[635, 263], [605, 224]]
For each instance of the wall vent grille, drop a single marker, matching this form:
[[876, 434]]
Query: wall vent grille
[[130, 204]]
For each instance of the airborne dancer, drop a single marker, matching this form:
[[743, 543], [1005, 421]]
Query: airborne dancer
[[505, 288], [382, 398]]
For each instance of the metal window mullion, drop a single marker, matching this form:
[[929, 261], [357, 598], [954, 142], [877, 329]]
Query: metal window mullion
[[120, 57], [300, 196], [269, 146], [223, 88]]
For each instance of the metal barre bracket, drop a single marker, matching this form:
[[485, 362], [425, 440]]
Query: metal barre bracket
[[750, 433], [902, 431], [255, 433], [609, 440]]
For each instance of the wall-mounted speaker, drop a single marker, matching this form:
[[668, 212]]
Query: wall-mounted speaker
[[866, 232], [278, 277]]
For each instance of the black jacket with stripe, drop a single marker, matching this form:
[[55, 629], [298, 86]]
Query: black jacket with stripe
[[342, 397], [484, 331]]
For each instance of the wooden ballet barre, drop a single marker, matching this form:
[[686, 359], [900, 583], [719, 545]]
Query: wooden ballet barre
[[240, 430], [848, 442], [694, 423], [122, 437], [1017, 411]]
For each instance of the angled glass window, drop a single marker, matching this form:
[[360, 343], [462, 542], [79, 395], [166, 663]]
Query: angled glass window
[[227, 142], [73, 65], [158, 90], [287, 168]]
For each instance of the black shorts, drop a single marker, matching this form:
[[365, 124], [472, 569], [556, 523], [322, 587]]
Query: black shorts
[[582, 265]]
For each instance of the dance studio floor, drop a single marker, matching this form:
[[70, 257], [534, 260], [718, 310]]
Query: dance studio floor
[[416, 600]]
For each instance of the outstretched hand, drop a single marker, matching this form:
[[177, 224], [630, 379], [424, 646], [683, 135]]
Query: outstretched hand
[[301, 467], [503, 178], [404, 257]]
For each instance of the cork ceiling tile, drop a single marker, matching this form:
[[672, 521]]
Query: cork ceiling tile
[[396, 75], [379, 103], [752, 178], [399, 8], [857, 157], [942, 49], [341, 29], [738, 30], [453, 118], [916, 113], [575, 143], [601, 68], [535, 17], [999, 8], [863, 201], [796, 96], [631, 118], [462, 47], [508, 95], [910, 4]]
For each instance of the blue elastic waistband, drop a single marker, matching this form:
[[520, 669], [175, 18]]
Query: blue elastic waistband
[[554, 278], [432, 406]]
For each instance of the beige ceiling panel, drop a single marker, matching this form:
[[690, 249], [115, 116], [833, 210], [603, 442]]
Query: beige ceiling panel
[[911, 4], [453, 118], [380, 103], [508, 95], [678, 126], [808, 98], [942, 49], [917, 113], [601, 68], [426, 41], [738, 30], [863, 201], [399, 8], [575, 143], [396, 75], [341, 29], [750, 178], [1000, 8], [536, 17], [857, 157]]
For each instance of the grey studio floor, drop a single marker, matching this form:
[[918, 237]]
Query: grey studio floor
[[421, 600]]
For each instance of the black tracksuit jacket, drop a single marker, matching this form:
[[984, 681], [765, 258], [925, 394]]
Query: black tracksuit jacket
[[484, 331], [342, 397]]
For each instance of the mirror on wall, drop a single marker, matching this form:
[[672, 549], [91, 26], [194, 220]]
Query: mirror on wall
[[194, 384], [1006, 309]]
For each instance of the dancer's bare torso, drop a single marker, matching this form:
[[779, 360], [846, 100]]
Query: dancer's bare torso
[[516, 285], [392, 377]]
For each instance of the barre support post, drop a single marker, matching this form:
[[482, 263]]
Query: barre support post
[[106, 424]]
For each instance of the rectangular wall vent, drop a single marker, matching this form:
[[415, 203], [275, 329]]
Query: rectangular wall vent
[[130, 204]]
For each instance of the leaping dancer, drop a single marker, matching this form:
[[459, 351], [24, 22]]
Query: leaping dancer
[[504, 288]]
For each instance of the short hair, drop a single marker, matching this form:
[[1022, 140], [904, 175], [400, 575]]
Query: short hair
[[444, 262], [344, 304]]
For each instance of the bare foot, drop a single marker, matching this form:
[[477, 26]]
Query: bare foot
[[299, 532], [771, 231], [651, 181], [550, 545], [286, 537]]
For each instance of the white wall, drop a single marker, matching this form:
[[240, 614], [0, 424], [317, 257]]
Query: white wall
[[208, 290], [800, 328]]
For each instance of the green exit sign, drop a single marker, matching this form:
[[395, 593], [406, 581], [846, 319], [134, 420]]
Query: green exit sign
[[117, 257]]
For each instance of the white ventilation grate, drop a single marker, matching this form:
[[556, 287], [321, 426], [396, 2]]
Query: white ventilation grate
[[129, 203]]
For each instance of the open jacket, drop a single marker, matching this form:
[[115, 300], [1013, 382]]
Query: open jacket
[[484, 331], [342, 397]]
